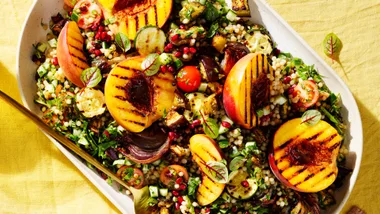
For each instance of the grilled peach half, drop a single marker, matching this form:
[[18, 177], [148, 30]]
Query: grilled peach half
[[135, 100], [205, 149], [304, 157], [70, 53], [132, 15], [247, 88]]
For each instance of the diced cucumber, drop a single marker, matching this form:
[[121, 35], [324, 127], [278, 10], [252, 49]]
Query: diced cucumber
[[153, 191], [173, 26], [202, 87], [53, 42], [231, 16], [119, 162], [223, 129], [222, 137], [223, 144], [189, 204], [41, 71], [164, 192], [145, 168], [165, 58], [251, 144], [226, 197], [41, 47], [150, 39], [280, 100], [157, 162], [178, 64], [104, 45]]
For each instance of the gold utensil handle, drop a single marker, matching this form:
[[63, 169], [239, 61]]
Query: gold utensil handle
[[61, 139]]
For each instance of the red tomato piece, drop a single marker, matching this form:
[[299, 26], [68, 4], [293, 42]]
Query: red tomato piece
[[189, 79], [308, 93], [89, 13], [133, 176], [170, 174]]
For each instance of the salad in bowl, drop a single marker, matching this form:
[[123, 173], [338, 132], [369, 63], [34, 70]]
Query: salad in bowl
[[195, 101]]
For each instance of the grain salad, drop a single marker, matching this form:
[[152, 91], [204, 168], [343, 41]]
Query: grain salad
[[194, 102]]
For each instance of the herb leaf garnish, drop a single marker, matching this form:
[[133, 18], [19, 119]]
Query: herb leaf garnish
[[217, 171], [123, 42], [151, 64], [311, 117], [332, 46], [91, 77], [236, 163], [210, 126]]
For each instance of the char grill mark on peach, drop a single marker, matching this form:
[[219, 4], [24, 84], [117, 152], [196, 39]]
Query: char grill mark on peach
[[135, 122], [326, 177], [120, 77], [132, 111], [128, 68]]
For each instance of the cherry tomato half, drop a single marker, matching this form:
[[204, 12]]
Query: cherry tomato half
[[89, 13], [308, 93], [133, 176], [189, 79], [170, 174]]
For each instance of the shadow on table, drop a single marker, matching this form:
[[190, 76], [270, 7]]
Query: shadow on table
[[369, 122]]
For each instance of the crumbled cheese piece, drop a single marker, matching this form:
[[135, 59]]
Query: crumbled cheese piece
[[90, 102]]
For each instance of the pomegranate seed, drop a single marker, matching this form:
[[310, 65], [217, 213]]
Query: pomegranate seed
[[178, 54], [55, 61], [175, 193], [97, 52], [172, 136], [312, 81], [180, 199], [179, 180], [83, 9], [186, 50], [182, 187], [104, 35], [98, 35], [207, 210], [287, 79], [197, 210], [196, 122], [106, 133], [234, 209], [193, 50], [70, 13], [98, 46], [245, 184], [191, 126], [174, 38], [171, 69], [101, 28], [226, 124], [91, 50], [163, 68], [177, 205], [170, 45], [182, 27], [291, 90]]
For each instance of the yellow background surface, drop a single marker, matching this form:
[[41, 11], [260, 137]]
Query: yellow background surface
[[35, 177]]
